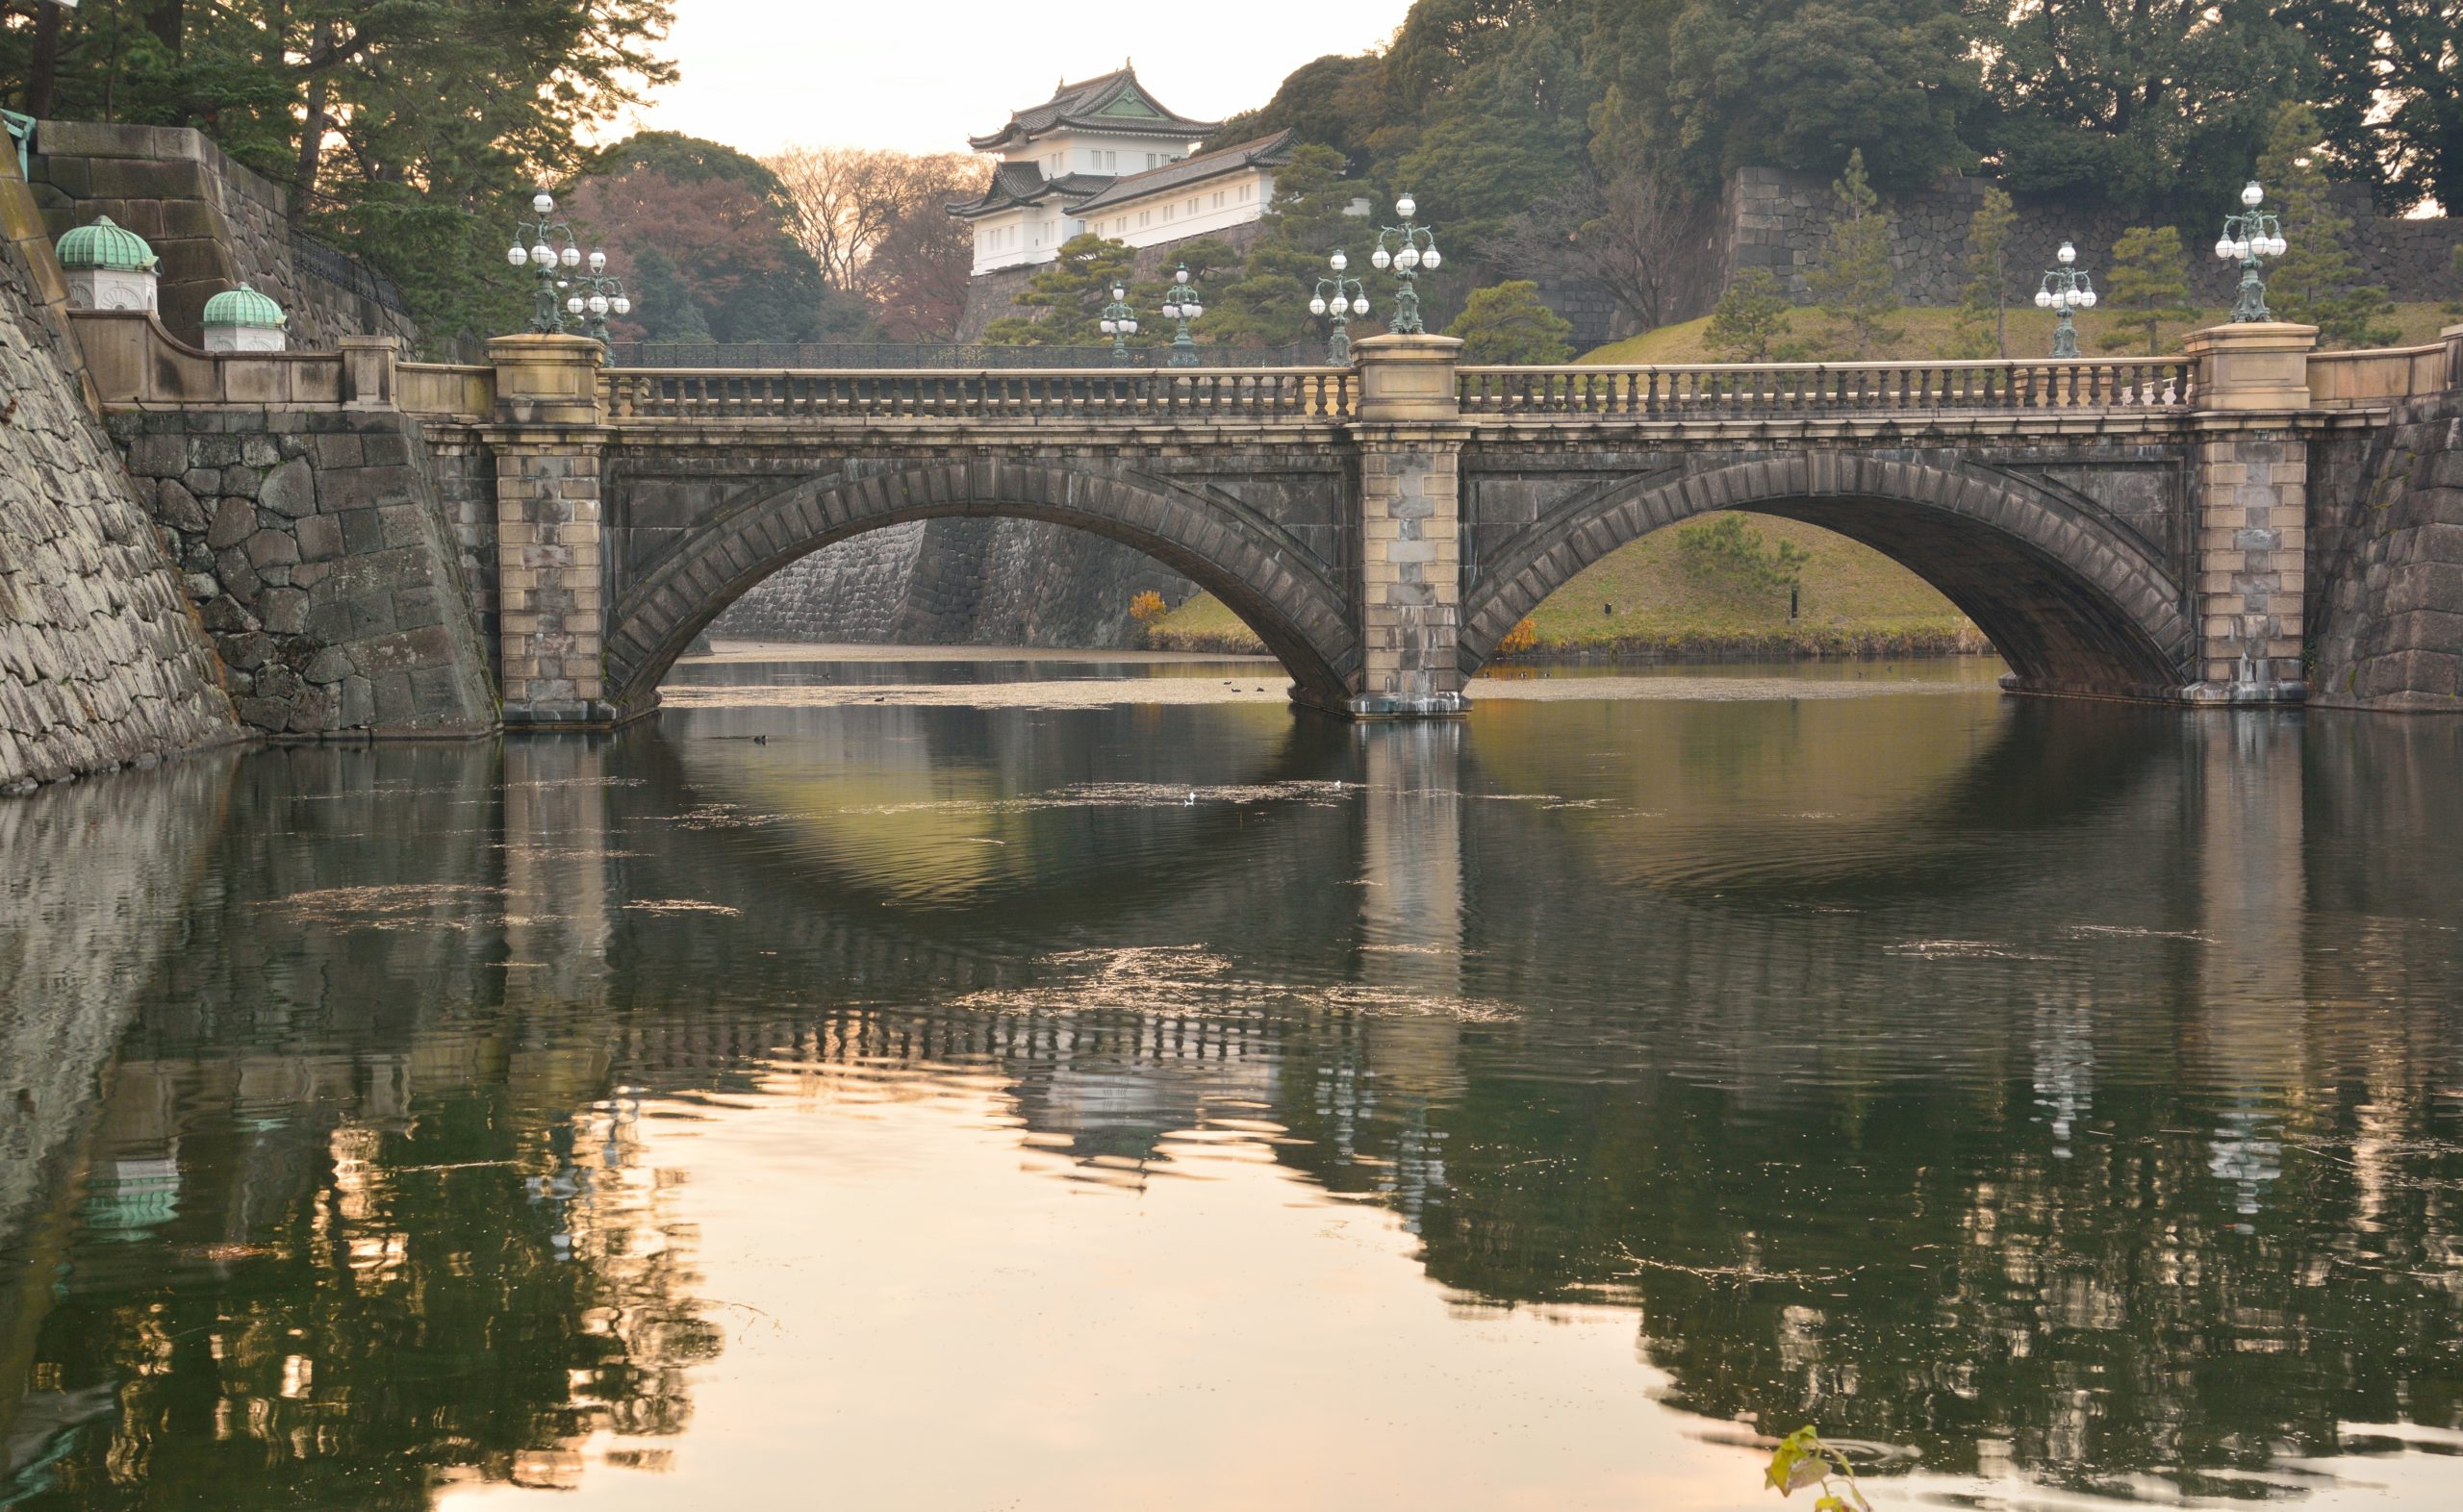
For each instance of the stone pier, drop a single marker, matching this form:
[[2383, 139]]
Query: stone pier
[[2253, 483]]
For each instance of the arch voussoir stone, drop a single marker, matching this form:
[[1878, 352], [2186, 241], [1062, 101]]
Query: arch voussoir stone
[[1260, 572], [2073, 603]]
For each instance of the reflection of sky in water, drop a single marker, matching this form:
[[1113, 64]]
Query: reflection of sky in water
[[1201, 1107]]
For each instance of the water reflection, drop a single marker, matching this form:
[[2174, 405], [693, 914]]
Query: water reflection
[[2059, 1094]]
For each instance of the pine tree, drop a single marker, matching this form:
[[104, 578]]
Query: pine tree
[[1507, 324], [1750, 321], [1984, 310], [1267, 302], [2149, 285], [1071, 293], [2318, 281], [1854, 281]]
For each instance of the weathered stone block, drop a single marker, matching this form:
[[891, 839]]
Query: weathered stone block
[[289, 489], [235, 520]]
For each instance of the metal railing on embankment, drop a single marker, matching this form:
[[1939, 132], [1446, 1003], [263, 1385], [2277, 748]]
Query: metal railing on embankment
[[1189, 394], [1723, 390]]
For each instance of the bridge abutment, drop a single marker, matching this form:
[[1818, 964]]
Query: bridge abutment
[[2251, 467], [549, 440]]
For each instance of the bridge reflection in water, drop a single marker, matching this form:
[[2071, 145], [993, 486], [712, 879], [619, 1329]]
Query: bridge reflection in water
[[2069, 1092]]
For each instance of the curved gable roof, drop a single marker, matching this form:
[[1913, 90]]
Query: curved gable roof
[[1115, 102]]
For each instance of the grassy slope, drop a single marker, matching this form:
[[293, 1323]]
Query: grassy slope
[[1929, 334], [1853, 598]]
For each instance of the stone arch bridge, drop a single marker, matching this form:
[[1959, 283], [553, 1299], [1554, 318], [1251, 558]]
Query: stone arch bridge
[[2133, 529]]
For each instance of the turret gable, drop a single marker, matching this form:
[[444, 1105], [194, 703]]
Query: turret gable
[[1114, 103]]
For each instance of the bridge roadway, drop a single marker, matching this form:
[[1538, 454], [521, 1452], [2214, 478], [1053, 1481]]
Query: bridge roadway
[[2136, 528]]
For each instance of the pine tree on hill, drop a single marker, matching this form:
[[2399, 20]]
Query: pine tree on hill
[[1984, 308], [2147, 285], [1749, 324], [2318, 281], [1070, 294], [1854, 283]]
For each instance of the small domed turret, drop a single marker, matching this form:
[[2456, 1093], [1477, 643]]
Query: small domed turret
[[107, 266], [242, 320]]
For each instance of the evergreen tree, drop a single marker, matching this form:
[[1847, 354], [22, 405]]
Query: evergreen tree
[[1749, 324], [1507, 324], [1984, 308], [2147, 285], [2318, 281], [2144, 102], [1706, 87], [1070, 293], [1854, 281], [1265, 303], [2389, 104], [409, 131]]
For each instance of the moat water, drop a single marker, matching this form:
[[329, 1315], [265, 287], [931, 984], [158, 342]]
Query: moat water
[[1033, 1100]]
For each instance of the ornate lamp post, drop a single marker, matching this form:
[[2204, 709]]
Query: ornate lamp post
[[1180, 305], [1414, 252], [1342, 298], [2066, 288], [1120, 323], [549, 249], [604, 296], [2248, 237]]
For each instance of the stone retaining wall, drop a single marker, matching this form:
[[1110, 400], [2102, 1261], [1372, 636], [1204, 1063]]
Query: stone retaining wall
[[212, 223], [957, 582], [102, 662], [319, 554], [2387, 544]]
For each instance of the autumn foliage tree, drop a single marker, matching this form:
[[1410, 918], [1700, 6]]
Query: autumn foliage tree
[[877, 223], [697, 232]]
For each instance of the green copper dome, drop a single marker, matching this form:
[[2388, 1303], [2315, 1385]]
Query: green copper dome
[[244, 306], [106, 247]]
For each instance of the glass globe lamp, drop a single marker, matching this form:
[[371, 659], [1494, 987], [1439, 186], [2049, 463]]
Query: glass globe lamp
[[2252, 195], [543, 202], [1338, 261], [1407, 207], [519, 257], [1317, 306], [620, 305]]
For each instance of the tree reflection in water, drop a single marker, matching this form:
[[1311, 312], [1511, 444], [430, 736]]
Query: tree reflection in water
[[2068, 1090]]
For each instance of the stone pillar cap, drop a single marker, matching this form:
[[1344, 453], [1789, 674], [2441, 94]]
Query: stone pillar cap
[[2276, 335]]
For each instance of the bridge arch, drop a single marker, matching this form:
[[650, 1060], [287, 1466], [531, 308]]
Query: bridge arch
[[2073, 603], [1242, 557]]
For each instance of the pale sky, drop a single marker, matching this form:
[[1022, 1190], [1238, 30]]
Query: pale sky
[[924, 75]]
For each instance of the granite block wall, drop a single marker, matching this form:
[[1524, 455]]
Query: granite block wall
[[316, 547], [214, 223], [957, 582], [102, 662], [2387, 550]]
